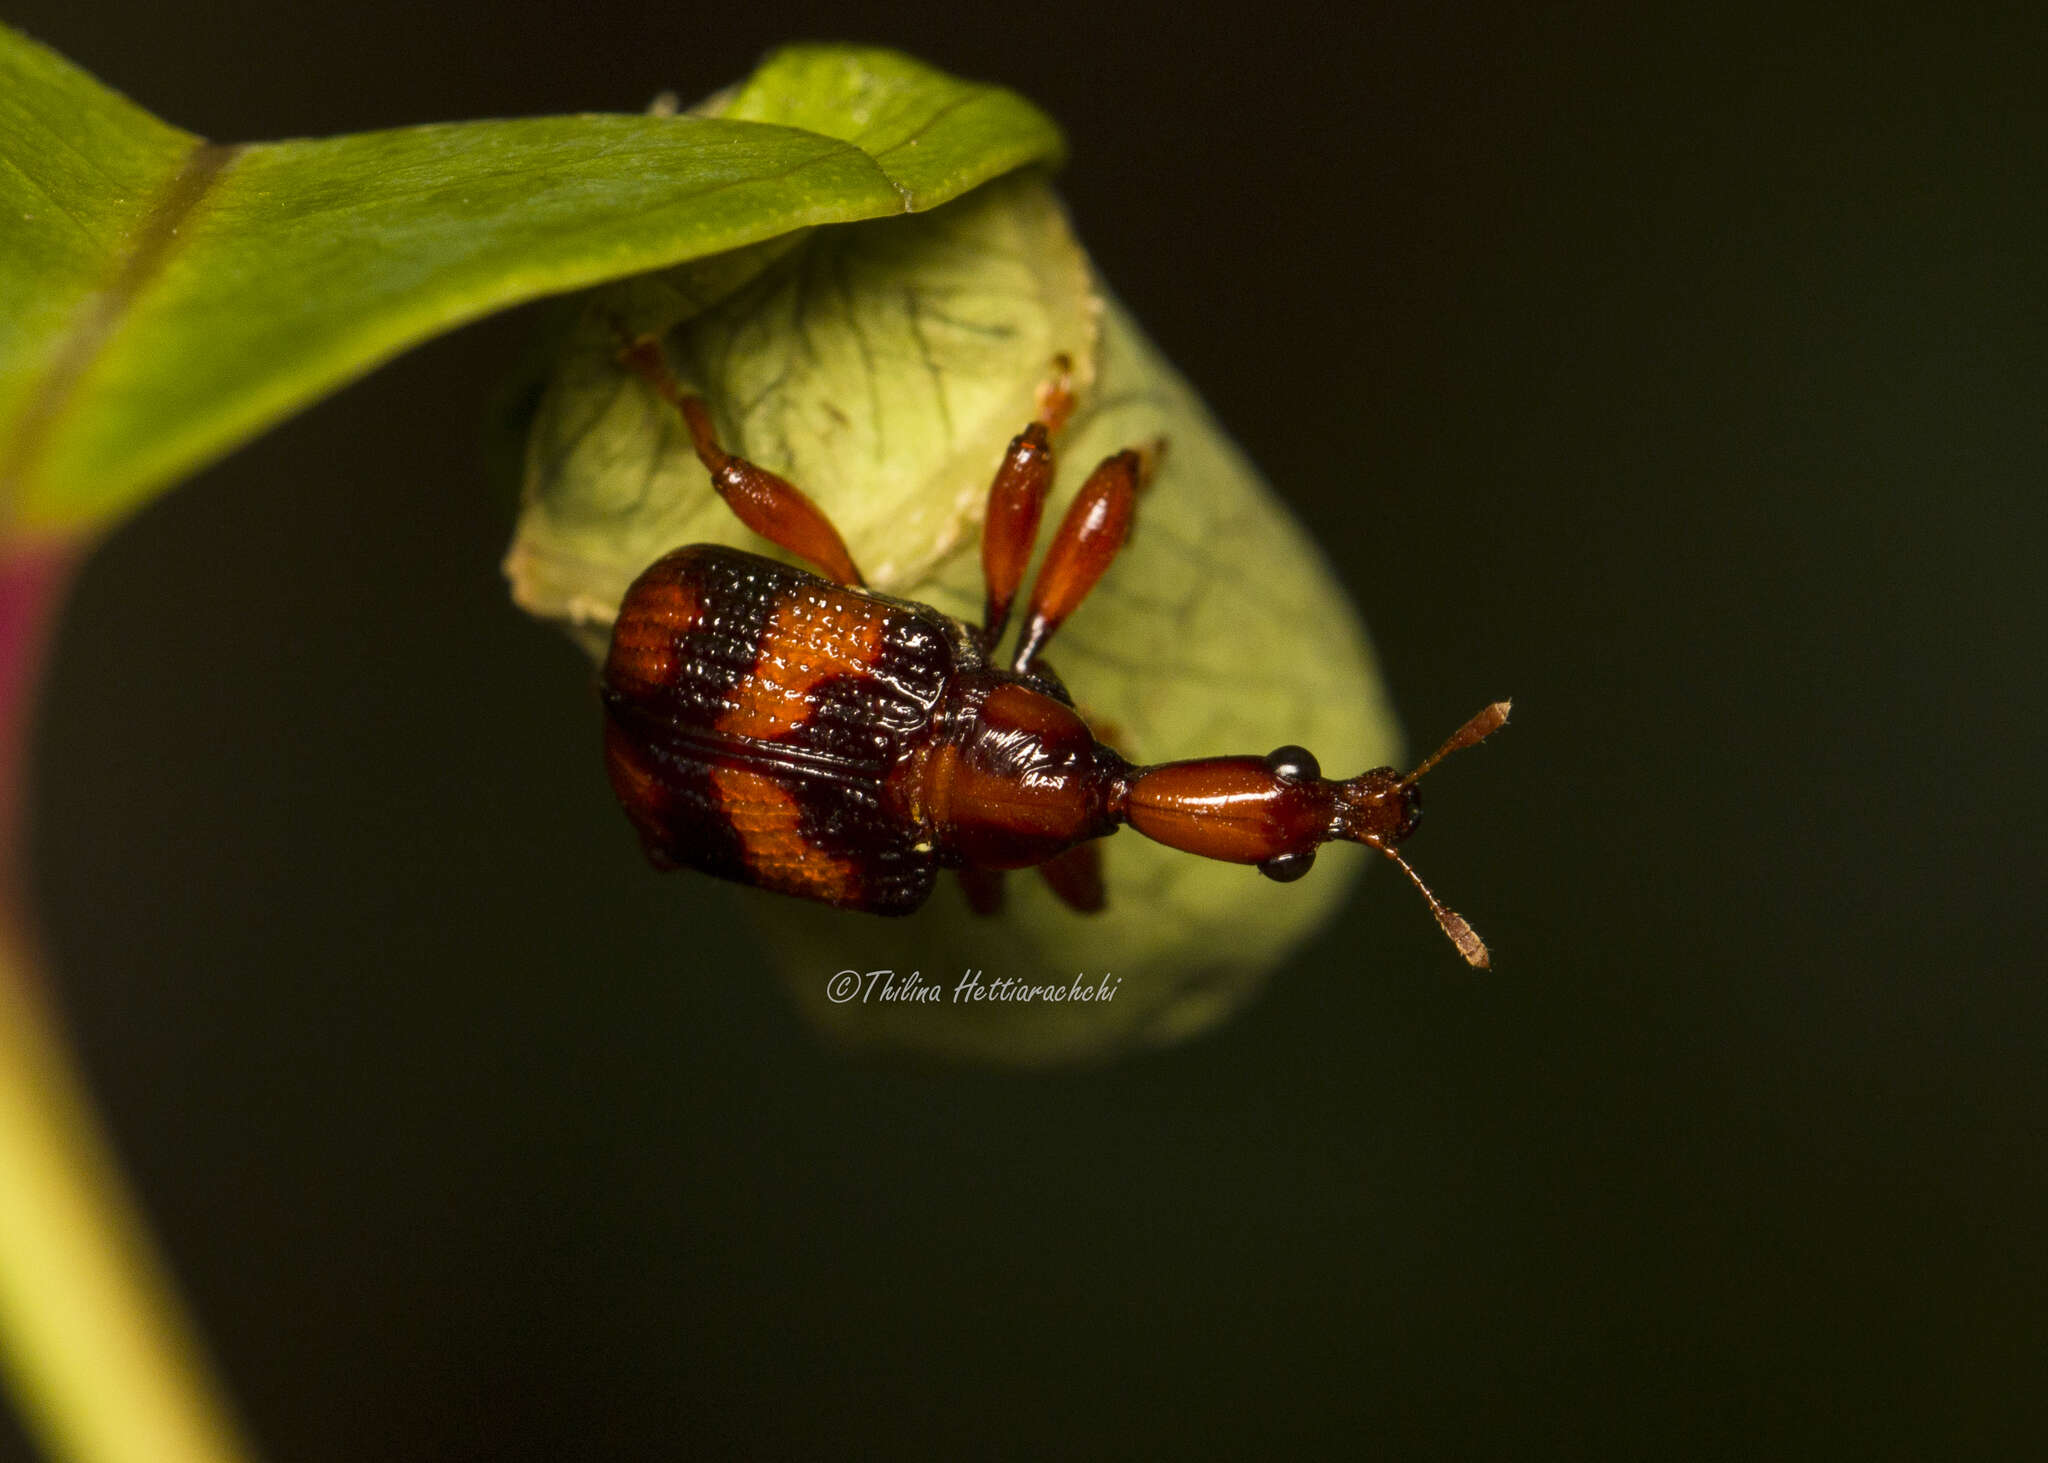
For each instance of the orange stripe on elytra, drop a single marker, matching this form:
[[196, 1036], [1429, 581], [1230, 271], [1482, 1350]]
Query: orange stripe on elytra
[[814, 637], [648, 637], [770, 827]]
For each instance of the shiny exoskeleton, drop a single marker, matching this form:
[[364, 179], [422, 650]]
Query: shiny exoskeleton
[[800, 733]]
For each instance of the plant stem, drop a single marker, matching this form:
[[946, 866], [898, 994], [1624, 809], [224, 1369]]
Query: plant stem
[[92, 1339]]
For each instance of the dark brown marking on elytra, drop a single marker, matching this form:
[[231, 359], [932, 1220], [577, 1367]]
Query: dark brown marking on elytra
[[767, 813], [871, 722], [665, 783], [697, 614], [795, 699], [811, 636], [707, 652]]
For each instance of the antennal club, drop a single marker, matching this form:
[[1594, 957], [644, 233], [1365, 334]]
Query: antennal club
[[1453, 923]]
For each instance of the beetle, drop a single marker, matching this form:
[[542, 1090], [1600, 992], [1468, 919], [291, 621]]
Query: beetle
[[801, 733]]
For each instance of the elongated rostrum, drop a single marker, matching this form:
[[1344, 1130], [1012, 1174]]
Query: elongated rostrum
[[801, 733]]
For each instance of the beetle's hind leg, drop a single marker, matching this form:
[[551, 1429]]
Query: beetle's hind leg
[[776, 509]]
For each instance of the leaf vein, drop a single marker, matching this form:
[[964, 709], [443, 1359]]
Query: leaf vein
[[150, 248]]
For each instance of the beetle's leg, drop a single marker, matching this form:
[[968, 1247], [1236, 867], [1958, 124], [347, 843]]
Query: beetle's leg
[[1076, 876], [983, 888], [1056, 394], [1107, 732], [1016, 500], [1088, 538], [776, 509]]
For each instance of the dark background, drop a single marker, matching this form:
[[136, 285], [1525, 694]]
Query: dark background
[[1684, 379]]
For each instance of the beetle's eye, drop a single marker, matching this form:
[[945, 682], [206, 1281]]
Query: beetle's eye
[[1411, 810], [1293, 764], [1289, 866]]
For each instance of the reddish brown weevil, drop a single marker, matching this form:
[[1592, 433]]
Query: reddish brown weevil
[[803, 734]]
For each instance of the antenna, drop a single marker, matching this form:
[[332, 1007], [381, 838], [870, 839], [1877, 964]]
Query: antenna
[[1483, 725], [1454, 925]]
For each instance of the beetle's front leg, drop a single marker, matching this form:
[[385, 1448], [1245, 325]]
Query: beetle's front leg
[[771, 506], [1085, 544], [983, 888], [1016, 501], [1076, 877]]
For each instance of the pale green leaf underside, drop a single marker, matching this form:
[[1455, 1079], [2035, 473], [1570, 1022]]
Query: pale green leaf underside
[[1219, 629], [166, 298], [882, 369]]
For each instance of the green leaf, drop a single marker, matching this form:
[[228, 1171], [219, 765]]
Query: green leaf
[[162, 298], [882, 368], [875, 365], [167, 297]]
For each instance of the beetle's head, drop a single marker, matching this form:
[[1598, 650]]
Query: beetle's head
[[1380, 808]]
